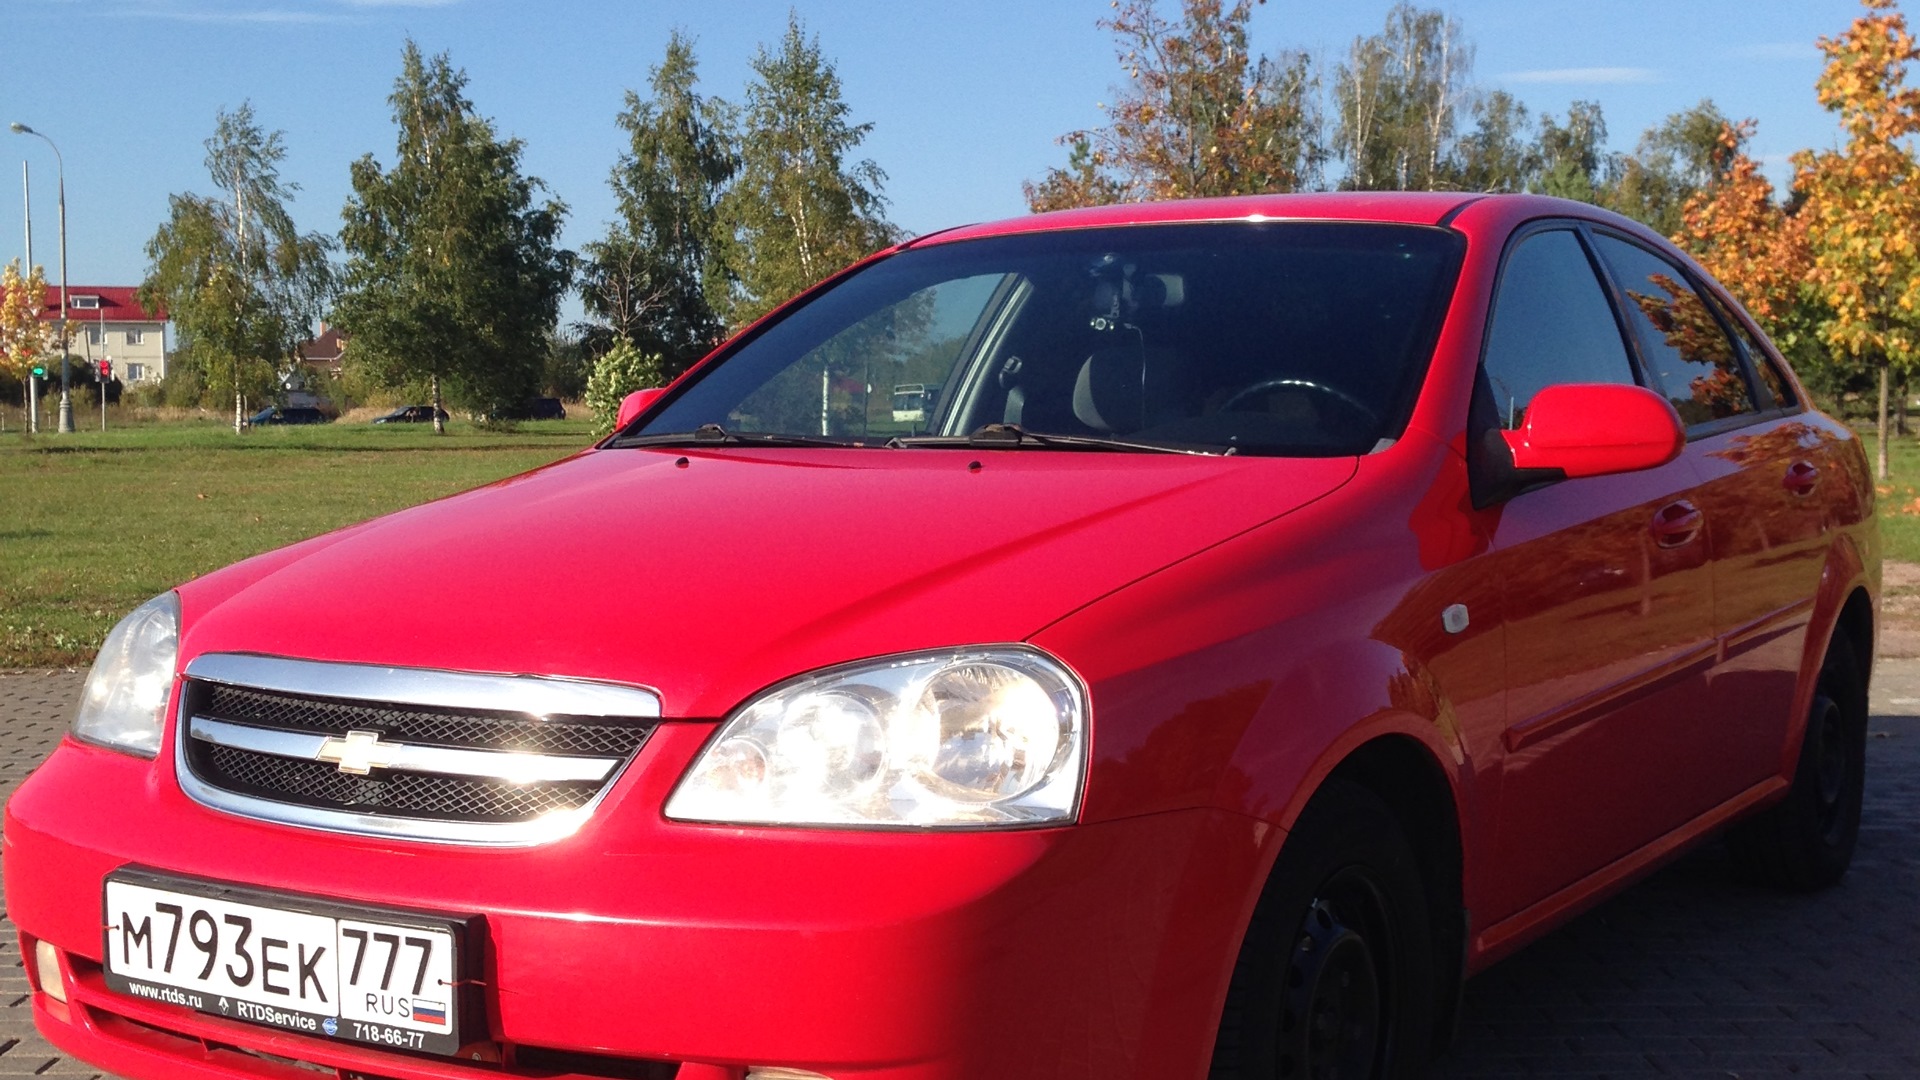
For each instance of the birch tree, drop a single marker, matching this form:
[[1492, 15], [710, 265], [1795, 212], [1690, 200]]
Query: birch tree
[[454, 276], [803, 205], [1499, 154], [240, 282], [655, 278], [1398, 96]]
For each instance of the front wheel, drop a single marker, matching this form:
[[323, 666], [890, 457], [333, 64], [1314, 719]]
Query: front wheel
[[1806, 841], [1335, 980]]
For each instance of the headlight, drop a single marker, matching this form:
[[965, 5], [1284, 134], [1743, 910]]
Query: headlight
[[968, 737], [124, 702]]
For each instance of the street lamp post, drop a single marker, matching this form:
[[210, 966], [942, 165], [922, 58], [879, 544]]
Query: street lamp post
[[66, 360], [26, 213]]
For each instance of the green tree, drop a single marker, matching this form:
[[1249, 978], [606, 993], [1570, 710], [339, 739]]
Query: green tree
[[1674, 160], [622, 370], [801, 208], [241, 284], [1397, 96], [567, 366], [1499, 154], [649, 280], [1201, 115], [1574, 163], [453, 274]]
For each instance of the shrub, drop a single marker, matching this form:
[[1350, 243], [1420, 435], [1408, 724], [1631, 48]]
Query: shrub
[[622, 370], [143, 395]]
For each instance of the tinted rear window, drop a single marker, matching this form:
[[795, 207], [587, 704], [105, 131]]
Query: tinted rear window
[[1680, 338], [1762, 364]]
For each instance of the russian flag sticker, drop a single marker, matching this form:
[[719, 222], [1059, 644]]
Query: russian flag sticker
[[430, 1012]]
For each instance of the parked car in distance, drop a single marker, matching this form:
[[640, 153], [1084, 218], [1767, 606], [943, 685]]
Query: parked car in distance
[[1287, 607], [410, 414], [546, 408], [275, 414]]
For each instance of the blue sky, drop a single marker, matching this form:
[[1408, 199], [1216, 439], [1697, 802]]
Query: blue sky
[[965, 99]]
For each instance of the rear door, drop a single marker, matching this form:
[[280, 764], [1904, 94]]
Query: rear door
[[1608, 599], [1766, 477]]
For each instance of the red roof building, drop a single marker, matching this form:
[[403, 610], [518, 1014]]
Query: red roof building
[[324, 351], [110, 324], [113, 303]]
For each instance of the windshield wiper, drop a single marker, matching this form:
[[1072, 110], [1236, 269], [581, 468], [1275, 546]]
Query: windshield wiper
[[715, 435], [1015, 437]]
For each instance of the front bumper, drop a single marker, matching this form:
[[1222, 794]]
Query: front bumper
[[1091, 951]]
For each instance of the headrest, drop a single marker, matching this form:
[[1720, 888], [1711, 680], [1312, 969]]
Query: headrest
[[1111, 391]]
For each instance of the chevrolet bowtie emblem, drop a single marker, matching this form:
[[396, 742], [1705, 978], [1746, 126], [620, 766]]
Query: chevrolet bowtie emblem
[[357, 752]]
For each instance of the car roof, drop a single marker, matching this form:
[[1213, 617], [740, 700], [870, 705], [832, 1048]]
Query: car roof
[[1399, 207]]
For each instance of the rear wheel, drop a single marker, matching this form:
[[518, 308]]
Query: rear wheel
[[1335, 980], [1806, 840]]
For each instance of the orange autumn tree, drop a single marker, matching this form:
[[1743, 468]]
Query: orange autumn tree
[[1199, 115], [23, 338], [1758, 249], [1744, 238], [1862, 206]]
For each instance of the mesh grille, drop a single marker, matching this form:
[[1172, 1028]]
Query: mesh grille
[[396, 792], [416, 724], [404, 794]]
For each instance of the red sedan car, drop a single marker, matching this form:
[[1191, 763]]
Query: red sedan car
[[1251, 618]]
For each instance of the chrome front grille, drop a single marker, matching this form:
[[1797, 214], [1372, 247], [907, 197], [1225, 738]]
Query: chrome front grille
[[414, 724], [427, 755]]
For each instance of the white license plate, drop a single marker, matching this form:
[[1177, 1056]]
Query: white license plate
[[319, 968]]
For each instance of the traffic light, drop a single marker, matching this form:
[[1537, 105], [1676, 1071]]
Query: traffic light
[[106, 370], [39, 371]]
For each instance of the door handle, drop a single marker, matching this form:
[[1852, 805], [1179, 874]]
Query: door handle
[[1801, 478], [1676, 524]]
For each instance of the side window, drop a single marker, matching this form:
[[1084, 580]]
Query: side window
[[1551, 324], [1691, 357], [1762, 364]]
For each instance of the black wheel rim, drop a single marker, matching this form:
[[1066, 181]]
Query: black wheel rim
[[1334, 1018], [1832, 764]]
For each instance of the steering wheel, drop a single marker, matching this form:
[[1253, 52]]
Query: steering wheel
[[1291, 383]]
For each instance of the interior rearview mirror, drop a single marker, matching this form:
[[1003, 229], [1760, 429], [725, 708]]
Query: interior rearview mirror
[[1596, 430]]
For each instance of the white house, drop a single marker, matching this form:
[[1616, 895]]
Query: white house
[[109, 324]]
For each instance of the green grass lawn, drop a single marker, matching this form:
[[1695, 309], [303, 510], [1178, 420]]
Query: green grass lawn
[[93, 523], [1899, 503]]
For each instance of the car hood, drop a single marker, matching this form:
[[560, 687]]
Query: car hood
[[708, 574]]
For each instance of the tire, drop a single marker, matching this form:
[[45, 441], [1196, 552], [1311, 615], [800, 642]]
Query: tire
[[1335, 979], [1806, 841]]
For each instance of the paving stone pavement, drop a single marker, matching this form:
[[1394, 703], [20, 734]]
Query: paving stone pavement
[[34, 710], [1688, 974]]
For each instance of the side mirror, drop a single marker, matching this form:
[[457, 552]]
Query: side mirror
[[636, 403], [1596, 430]]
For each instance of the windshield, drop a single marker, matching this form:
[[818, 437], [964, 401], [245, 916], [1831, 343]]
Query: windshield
[[1298, 338]]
